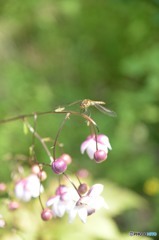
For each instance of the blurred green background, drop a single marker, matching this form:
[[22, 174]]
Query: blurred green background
[[54, 52]]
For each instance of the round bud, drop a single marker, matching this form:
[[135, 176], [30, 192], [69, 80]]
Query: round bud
[[3, 187], [100, 156], [59, 166], [42, 175], [35, 169], [13, 205], [83, 188], [66, 157], [83, 173], [46, 214]]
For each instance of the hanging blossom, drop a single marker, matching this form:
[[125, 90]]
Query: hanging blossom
[[96, 143], [28, 187], [88, 204], [67, 200], [62, 201]]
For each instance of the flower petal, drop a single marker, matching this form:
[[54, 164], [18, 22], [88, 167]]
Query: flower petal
[[72, 214], [60, 210], [95, 190], [52, 200], [84, 146], [82, 213]]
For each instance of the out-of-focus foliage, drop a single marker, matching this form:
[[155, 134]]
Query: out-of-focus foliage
[[54, 52]]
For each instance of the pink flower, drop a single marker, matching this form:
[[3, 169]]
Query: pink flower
[[88, 204], [93, 143], [62, 201], [28, 187]]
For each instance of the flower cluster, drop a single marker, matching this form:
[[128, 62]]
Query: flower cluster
[[70, 201], [81, 201], [76, 200]]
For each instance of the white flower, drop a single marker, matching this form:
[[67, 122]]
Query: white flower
[[63, 200], [2, 222], [93, 142], [28, 187], [88, 204]]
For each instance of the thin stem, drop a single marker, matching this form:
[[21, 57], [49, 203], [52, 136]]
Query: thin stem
[[41, 141], [41, 200], [58, 133], [23, 117], [71, 183], [33, 138], [78, 178]]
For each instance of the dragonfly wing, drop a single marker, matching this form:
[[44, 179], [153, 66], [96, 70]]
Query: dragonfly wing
[[105, 110]]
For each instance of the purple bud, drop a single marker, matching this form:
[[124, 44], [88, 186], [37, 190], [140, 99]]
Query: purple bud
[[46, 214], [59, 166], [100, 156], [83, 188]]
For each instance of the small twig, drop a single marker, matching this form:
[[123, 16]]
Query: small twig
[[58, 133], [71, 183], [41, 141]]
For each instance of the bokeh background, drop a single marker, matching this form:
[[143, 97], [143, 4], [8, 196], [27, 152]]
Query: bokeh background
[[54, 52]]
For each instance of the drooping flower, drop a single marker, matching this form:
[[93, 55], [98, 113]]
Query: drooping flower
[[88, 204], [28, 187], [94, 143], [62, 201]]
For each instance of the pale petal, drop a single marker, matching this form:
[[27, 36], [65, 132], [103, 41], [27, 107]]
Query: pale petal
[[84, 146], [72, 214], [97, 203], [19, 190], [95, 190], [26, 196], [102, 147], [102, 139], [91, 149], [61, 208], [82, 213], [52, 200], [91, 152]]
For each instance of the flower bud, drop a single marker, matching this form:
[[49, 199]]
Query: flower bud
[[46, 214], [42, 175], [3, 187], [67, 158], [59, 166], [100, 156], [83, 173], [83, 188], [13, 205], [35, 169]]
